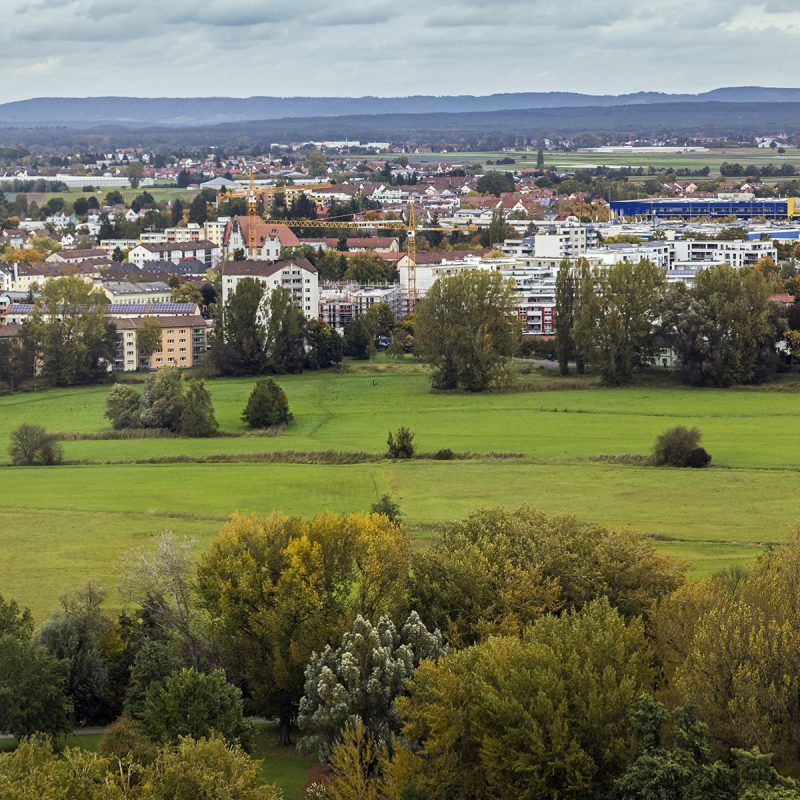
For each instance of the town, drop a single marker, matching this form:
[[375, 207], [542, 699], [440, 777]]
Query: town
[[383, 229]]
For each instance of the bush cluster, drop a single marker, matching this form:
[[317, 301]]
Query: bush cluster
[[680, 447]]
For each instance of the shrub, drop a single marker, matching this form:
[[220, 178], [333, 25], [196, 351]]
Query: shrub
[[123, 407], [162, 399], [267, 405], [190, 703], [679, 447], [32, 445], [124, 739], [388, 507], [197, 417], [445, 454], [400, 444], [698, 458]]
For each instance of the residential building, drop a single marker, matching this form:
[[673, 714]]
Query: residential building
[[270, 238], [129, 293], [184, 342], [297, 275], [203, 250]]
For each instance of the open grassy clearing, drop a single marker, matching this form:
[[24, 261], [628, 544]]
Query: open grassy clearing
[[160, 195], [571, 161], [59, 526]]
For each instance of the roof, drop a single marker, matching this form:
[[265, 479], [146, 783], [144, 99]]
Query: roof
[[80, 255], [169, 247], [264, 230], [10, 331], [175, 321], [263, 269], [113, 309], [130, 287]]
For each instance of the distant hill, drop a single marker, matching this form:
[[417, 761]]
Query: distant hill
[[85, 112], [490, 129]]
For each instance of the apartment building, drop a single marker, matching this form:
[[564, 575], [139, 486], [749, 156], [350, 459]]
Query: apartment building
[[184, 342], [737, 252], [206, 252], [567, 239], [129, 293], [298, 275]]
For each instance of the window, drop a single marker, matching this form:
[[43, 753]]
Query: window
[[171, 350]]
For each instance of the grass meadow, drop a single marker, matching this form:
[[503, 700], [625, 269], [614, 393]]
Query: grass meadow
[[62, 525], [569, 161]]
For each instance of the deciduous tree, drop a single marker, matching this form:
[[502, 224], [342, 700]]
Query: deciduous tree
[[467, 328]]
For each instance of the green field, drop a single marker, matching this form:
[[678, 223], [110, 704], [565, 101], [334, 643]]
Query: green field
[[61, 525], [160, 195], [579, 160]]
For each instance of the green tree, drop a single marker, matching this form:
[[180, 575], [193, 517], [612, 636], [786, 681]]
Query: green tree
[[400, 444], [724, 330], [198, 210], [467, 329], [359, 339], [148, 337], [154, 663], [267, 405], [32, 698], [124, 407], [16, 361], [618, 325], [497, 571], [684, 767], [739, 666], [316, 164], [197, 416], [331, 265], [495, 183], [176, 210], [381, 319], [114, 198], [565, 315], [211, 769], [285, 333], [360, 680], [187, 293], [368, 268], [32, 445], [162, 399], [73, 339], [135, 172], [541, 716], [74, 634], [324, 346], [540, 158], [241, 347], [280, 589], [191, 703], [498, 231]]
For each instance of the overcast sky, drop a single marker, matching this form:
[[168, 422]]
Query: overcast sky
[[360, 47]]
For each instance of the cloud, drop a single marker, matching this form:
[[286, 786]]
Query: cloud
[[380, 47]]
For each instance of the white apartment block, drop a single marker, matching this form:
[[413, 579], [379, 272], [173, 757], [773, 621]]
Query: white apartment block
[[737, 252], [298, 275], [567, 239]]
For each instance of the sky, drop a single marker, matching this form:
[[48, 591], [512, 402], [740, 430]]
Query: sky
[[240, 48]]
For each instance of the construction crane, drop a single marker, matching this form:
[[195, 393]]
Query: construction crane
[[252, 194], [409, 227], [255, 193]]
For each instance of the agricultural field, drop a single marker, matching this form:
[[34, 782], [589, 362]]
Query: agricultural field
[[552, 443], [160, 195], [571, 161]]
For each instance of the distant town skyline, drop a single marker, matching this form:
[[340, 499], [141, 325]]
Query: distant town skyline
[[374, 47]]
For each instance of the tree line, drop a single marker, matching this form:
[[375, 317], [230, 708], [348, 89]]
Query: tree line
[[723, 330], [519, 655]]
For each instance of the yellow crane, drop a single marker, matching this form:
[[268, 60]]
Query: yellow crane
[[255, 193], [409, 227], [252, 194]]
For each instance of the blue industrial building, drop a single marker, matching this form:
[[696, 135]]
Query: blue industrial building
[[689, 208]]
